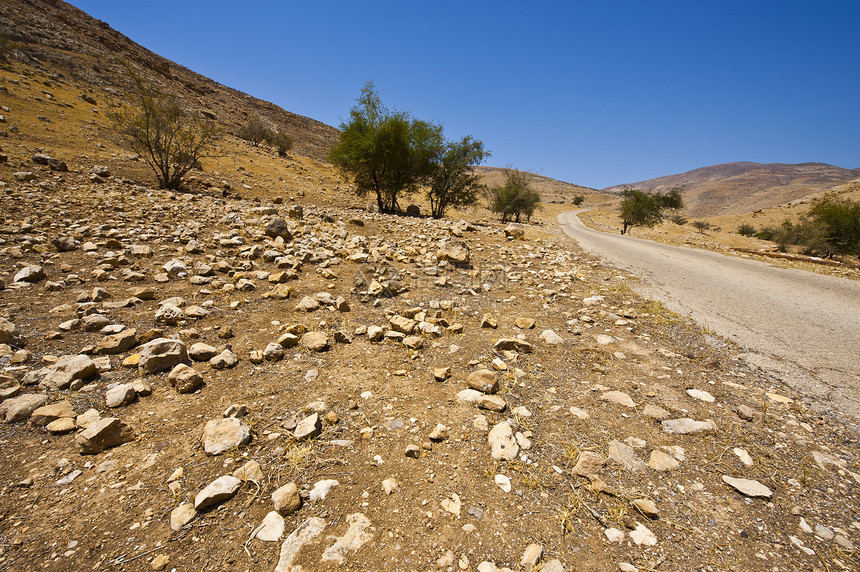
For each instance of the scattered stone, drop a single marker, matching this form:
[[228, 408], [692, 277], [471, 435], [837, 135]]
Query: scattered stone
[[322, 488], [502, 442], [100, 435], [354, 538], [624, 456], [589, 464], [306, 532], [687, 426], [250, 471], [643, 536], [224, 360], [287, 499], [219, 490], [48, 413], [439, 433], [161, 354], [315, 341], [513, 344], [68, 369], [9, 333], [185, 378], [748, 487], [618, 397], [701, 395], [491, 402], [308, 428], [120, 395], [19, 408], [483, 380], [746, 412], [201, 352], [647, 508], [531, 556], [222, 435], [503, 482], [661, 461], [271, 529], [182, 515]]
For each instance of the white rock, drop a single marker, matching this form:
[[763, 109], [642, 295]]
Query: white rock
[[322, 488], [743, 456], [748, 487], [271, 529], [502, 441], [700, 395], [614, 535], [643, 536], [217, 491], [307, 531], [503, 482], [354, 538]]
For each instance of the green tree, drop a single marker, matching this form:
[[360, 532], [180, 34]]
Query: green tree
[[746, 229], [388, 153], [577, 200], [281, 142], [641, 208], [515, 197], [701, 225], [839, 223], [254, 131], [452, 182], [170, 139]]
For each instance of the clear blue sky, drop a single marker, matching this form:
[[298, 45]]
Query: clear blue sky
[[595, 93]]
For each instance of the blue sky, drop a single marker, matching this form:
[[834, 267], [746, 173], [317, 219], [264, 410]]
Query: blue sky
[[594, 93]]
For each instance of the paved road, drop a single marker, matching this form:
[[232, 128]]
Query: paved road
[[802, 327]]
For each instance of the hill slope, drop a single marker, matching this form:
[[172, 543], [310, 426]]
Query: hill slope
[[735, 188], [54, 36]]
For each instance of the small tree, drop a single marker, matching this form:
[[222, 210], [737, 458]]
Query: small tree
[[640, 208], [577, 200], [170, 139], [746, 229], [515, 198], [452, 182], [701, 225], [388, 153], [254, 131], [281, 142]]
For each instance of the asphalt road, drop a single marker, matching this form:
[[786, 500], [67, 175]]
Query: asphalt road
[[802, 327]]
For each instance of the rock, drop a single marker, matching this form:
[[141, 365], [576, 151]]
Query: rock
[[618, 397], [219, 490], [182, 515], [307, 304], [315, 341], [273, 352], [503, 482], [514, 230], [660, 461], [19, 408], [686, 426], [748, 487], [169, 314], [701, 395], [184, 378], [224, 360], [491, 402], [159, 562], [441, 373], [504, 445], [413, 342], [9, 333], [29, 274], [67, 370], [306, 532], [589, 464], [439, 433], [61, 426], [222, 435], [550, 337], [624, 456], [321, 489], [513, 344], [531, 556], [288, 341], [455, 252], [483, 380], [746, 412], [642, 536], [524, 323], [250, 471], [87, 418], [655, 412], [120, 395], [743, 456], [489, 322], [117, 343], [271, 529], [604, 340], [201, 352], [308, 428], [402, 324], [161, 354], [647, 508], [277, 227], [100, 435], [287, 499]]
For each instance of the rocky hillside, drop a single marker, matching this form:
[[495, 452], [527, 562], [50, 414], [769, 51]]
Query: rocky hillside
[[258, 374], [551, 190], [55, 37], [737, 188]]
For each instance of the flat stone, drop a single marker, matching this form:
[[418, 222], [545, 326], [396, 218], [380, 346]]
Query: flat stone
[[182, 515], [315, 341], [202, 352], [222, 435], [531, 556], [552, 338], [68, 369], [271, 529], [250, 471], [661, 461], [655, 412], [647, 507], [589, 464], [748, 487], [618, 397], [219, 490], [308, 428], [224, 360], [642, 536], [513, 344], [19, 408], [305, 533], [701, 395], [117, 343], [48, 413], [100, 435], [61, 426], [624, 456], [9, 333], [687, 426], [120, 395], [322, 488], [491, 402]]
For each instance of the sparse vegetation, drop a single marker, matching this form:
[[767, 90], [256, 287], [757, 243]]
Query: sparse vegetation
[[254, 131], [642, 208], [281, 142], [452, 183], [831, 226], [678, 219], [746, 229], [577, 200], [701, 225], [516, 198], [170, 139]]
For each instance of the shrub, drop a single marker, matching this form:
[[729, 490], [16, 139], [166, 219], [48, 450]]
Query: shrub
[[254, 131], [640, 208], [680, 220], [746, 229], [515, 198], [701, 225], [281, 142], [578, 199], [170, 139]]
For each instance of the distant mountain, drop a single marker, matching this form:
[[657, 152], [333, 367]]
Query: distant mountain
[[62, 40], [736, 188]]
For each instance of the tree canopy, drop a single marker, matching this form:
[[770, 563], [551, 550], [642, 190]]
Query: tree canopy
[[645, 208], [515, 198], [391, 154]]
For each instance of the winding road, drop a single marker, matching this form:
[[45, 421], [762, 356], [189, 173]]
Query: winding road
[[800, 326]]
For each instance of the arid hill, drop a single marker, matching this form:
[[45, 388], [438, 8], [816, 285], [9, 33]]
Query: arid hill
[[54, 36], [551, 190], [736, 188]]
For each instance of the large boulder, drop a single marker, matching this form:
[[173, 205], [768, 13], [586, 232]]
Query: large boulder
[[453, 251], [162, 354], [278, 227], [9, 333], [66, 371], [100, 435], [20, 408], [222, 435]]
